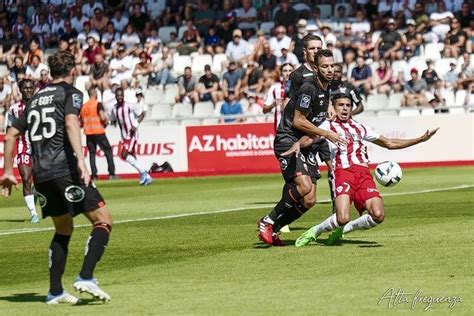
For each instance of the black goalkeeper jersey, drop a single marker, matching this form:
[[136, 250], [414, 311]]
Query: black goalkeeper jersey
[[313, 101], [44, 120]]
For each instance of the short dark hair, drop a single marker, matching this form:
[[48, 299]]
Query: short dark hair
[[339, 95], [60, 63], [186, 68], [310, 37], [118, 89], [23, 82], [340, 65], [322, 53]]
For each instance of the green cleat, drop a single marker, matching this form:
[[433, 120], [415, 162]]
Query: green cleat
[[335, 236], [306, 238]]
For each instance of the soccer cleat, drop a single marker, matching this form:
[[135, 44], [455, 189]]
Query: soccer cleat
[[265, 231], [91, 287], [63, 298], [335, 236], [277, 242], [148, 179], [305, 238], [35, 219], [113, 177]]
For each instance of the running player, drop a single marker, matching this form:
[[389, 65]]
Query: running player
[[61, 178], [23, 151], [338, 85], [127, 115], [301, 117], [353, 181]]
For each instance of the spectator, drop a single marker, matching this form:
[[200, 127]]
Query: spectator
[[130, 38], [5, 98], [389, 42], [75, 49], [204, 17], [469, 100], [99, 74], [86, 32], [382, 79], [238, 50], [162, 66], [287, 57], [348, 41], [138, 19], [231, 107], [267, 60], [208, 86], [415, 91], [155, 8], [286, 16], [212, 42], [247, 16], [19, 25], [121, 67], [174, 12], [422, 19], [255, 108], [297, 40], [336, 52], [141, 104], [429, 74], [412, 38], [439, 23], [44, 80], [99, 21], [228, 14], [360, 26], [327, 34], [110, 37], [466, 16], [88, 9], [78, 20], [187, 88], [456, 39], [33, 70], [34, 50], [143, 69], [174, 42], [92, 49], [361, 75], [253, 79], [279, 41], [232, 80], [69, 31], [119, 21], [129, 90], [191, 40], [42, 30], [451, 77], [17, 67], [466, 76], [437, 99], [57, 28]]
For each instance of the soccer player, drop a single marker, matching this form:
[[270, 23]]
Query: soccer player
[[353, 181], [23, 150], [301, 117], [61, 178], [338, 85], [127, 115]]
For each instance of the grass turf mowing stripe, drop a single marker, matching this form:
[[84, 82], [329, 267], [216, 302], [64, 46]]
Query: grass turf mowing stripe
[[34, 230]]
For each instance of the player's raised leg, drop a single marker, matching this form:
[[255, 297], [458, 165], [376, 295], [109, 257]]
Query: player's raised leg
[[95, 247]]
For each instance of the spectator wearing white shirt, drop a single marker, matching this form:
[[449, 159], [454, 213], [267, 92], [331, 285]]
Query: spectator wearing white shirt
[[121, 66], [33, 70], [287, 57], [5, 97], [57, 28], [42, 30], [86, 32], [90, 6], [246, 16], [238, 49], [110, 37], [155, 8], [279, 41], [327, 34], [130, 38], [119, 21], [361, 25], [78, 20]]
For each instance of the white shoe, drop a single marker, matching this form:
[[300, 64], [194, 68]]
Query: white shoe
[[64, 298], [91, 287]]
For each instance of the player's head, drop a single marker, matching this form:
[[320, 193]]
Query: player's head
[[342, 104], [27, 89], [312, 43], [92, 92], [286, 70], [337, 73], [325, 65], [62, 65], [119, 95]]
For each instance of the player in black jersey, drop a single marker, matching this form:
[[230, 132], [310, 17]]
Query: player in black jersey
[[346, 87], [61, 178], [301, 117]]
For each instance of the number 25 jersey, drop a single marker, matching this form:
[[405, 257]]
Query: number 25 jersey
[[44, 118]]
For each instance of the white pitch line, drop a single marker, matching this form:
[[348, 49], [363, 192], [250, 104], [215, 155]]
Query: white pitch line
[[34, 230]]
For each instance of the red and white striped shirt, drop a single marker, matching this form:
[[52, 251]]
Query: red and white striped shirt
[[355, 152], [126, 116], [22, 143], [277, 94]]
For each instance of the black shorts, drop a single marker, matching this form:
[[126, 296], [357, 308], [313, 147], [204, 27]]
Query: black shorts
[[67, 195], [322, 149], [304, 163]]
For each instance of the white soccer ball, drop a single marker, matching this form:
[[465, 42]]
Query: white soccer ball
[[388, 173]]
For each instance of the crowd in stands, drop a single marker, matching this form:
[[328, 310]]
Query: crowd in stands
[[230, 52]]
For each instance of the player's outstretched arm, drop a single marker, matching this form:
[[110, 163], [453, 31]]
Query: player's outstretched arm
[[396, 143], [8, 179], [73, 130], [301, 122]]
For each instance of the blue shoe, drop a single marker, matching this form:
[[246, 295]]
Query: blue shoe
[[145, 178], [63, 298], [35, 219], [91, 286]]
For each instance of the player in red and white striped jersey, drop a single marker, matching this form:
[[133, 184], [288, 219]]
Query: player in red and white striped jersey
[[277, 94], [352, 177], [128, 117], [23, 150]]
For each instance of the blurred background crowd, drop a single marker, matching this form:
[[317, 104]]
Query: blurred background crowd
[[203, 59]]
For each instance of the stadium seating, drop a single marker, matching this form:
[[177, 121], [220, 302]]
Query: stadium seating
[[245, 104], [199, 62], [460, 97], [427, 111], [407, 112], [161, 111], [433, 51], [267, 27], [181, 31], [442, 66], [395, 100], [154, 96], [191, 122], [217, 108], [168, 123], [203, 109], [210, 121], [217, 61], [417, 62], [387, 112], [376, 101], [171, 92], [164, 33], [182, 110], [181, 62], [450, 98]]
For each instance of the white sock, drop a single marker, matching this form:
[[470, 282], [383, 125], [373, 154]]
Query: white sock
[[134, 163], [30, 204], [268, 220], [364, 222], [329, 224]]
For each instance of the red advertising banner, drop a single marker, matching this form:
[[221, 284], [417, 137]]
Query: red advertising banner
[[231, 148]]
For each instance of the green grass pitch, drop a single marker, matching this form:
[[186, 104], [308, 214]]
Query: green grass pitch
[[189, 246]]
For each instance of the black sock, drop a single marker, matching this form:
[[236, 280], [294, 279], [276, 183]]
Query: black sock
[[290, 216], [289, 197], [95, 248], [57, 262]]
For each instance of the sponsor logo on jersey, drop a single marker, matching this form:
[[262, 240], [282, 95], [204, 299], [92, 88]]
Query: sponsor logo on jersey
[[305, 101], [76, 101], [74, 194], [302, 157], [311, 159], [370, 190], [283, 163]]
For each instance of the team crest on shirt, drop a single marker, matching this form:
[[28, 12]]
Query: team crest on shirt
[[283, 163], [74, 194], [41, 199], [305, 101], [311, 159], [77, 101]]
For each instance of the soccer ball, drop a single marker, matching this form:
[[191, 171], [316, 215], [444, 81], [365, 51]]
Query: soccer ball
[[388, 173]]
